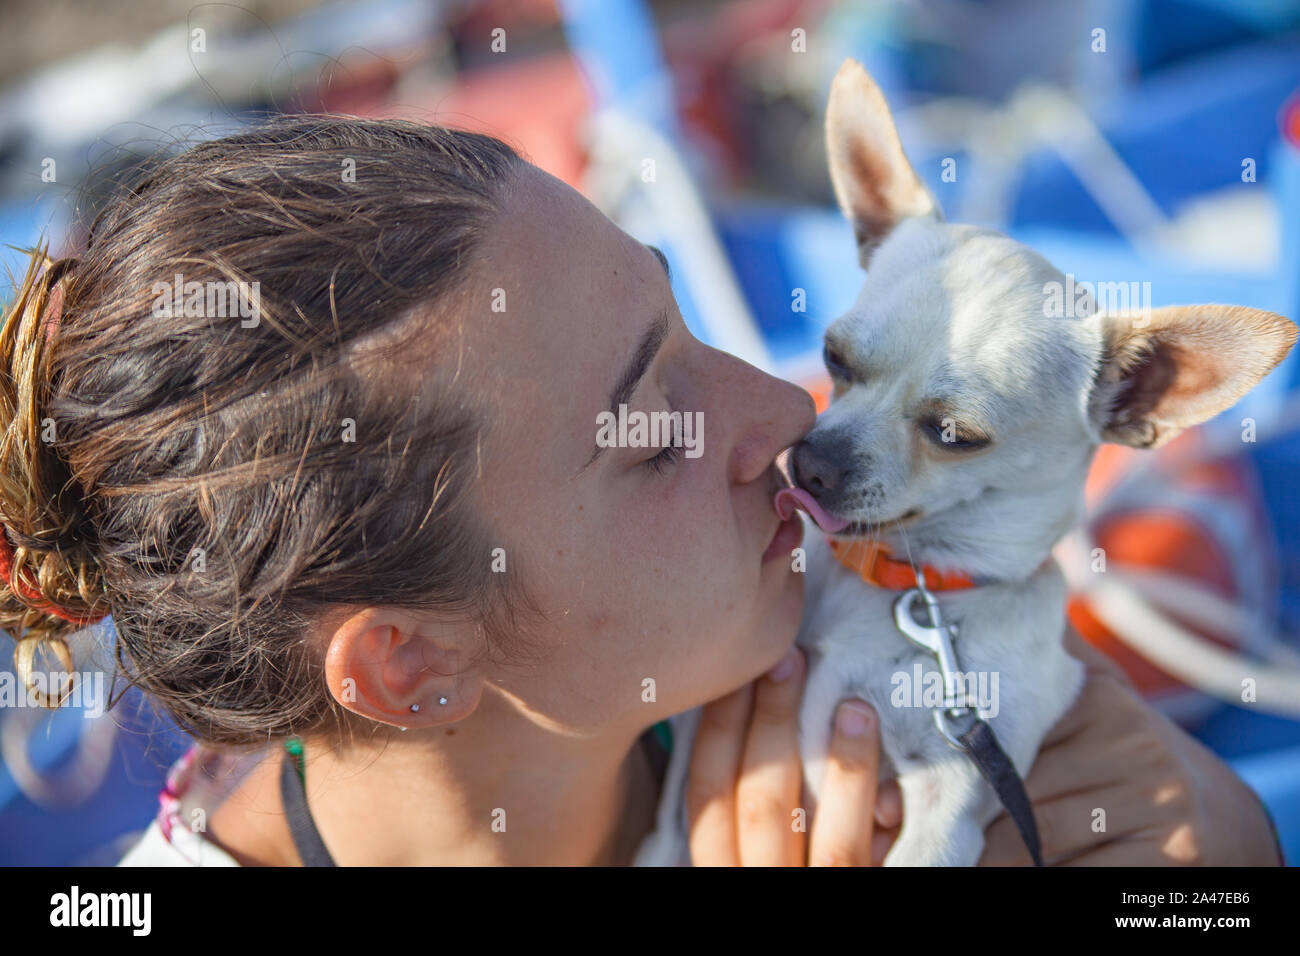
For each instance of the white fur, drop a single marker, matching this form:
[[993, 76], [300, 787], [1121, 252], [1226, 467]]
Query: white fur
[[853, 651], [956, 314]]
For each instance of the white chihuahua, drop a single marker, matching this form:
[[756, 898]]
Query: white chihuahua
[[965, 413]]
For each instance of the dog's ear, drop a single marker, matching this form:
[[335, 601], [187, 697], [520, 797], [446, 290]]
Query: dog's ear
[[874, 183], [1179, 366]]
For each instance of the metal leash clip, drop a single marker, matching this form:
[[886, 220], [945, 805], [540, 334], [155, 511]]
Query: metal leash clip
[[959, 712], [958, 718]]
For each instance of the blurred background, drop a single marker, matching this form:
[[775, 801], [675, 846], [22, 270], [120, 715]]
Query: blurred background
[[1151, 141]]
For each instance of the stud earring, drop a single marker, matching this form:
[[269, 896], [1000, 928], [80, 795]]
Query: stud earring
[[415, 708], [442, 700]]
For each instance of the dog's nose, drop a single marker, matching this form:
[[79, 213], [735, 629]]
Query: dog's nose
[[814, 471]]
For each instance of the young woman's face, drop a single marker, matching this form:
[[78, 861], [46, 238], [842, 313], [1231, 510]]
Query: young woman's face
[[648, 570]]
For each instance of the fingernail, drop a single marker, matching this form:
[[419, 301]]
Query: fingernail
[[785, 667], [853, 719]]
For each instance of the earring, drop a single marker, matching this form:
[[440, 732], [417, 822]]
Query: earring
[[442, 700], [415, 708]]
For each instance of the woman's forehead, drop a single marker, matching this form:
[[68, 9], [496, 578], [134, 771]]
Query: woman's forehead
[[546, 224], [568, 294], [556, 271]]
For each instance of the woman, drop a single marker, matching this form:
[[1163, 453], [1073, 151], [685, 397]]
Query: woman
[[369, 516]]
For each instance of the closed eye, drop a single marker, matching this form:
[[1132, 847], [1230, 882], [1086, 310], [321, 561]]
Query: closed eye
[[835, 362], [664, 460], [670, 455], [952, 435]]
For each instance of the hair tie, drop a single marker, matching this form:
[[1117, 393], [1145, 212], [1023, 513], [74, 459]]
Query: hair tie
[[30, 592], [54, 304], [53, 313]]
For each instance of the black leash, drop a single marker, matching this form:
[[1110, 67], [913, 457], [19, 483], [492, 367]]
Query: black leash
[[995, 766], [974, 738]]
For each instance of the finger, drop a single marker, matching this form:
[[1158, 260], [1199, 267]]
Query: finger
[[881, 843], [1149, 848], [842, 829], [711, 780], [1103, 700], [1074, 824], [1089, 761], [771, 774], [889, 805], [1108, 736]]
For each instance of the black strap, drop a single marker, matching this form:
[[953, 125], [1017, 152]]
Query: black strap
[[994, 765], [658, 754], [306, 838]]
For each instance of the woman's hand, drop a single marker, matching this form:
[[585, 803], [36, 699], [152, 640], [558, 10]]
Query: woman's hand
[[1167, 800], [744, 787]]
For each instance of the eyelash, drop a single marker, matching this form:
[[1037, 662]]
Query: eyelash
[[834, 362], [664, 460], [934, 430]]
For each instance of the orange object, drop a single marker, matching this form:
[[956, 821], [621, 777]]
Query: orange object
[[820, 390], [1161, 523], [1289, 120], [545, 125], [874, 563]]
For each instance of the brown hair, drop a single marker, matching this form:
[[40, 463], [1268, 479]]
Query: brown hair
[[220, 486]]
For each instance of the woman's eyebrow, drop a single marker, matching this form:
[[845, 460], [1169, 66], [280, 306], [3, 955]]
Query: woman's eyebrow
[[626, 385]]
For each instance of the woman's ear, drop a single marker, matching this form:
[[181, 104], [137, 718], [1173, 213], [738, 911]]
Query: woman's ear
[[1180, 366], [381, 661], [874, 183]]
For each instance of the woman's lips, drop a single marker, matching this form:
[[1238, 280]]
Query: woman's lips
[[787, 500]]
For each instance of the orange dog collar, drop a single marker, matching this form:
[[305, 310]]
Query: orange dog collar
[[873, 562]]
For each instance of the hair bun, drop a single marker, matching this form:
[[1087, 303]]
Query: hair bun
[[31, 593], [50, 582]]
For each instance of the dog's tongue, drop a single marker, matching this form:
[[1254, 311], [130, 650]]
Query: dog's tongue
[[788, 499]]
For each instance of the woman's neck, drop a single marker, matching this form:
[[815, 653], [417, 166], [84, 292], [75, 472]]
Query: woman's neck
[[462, 795]]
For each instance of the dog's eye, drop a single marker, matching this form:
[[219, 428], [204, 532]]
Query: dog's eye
[[947, 433], [834, 362]]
